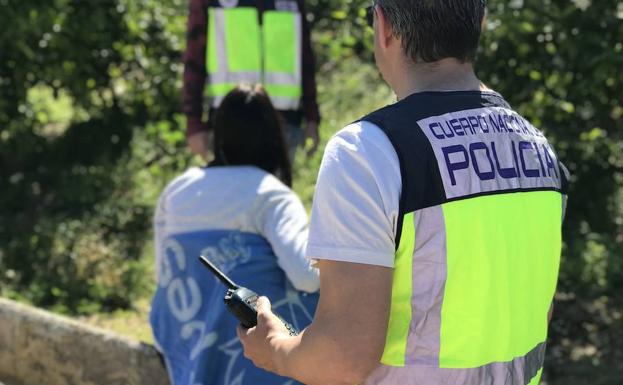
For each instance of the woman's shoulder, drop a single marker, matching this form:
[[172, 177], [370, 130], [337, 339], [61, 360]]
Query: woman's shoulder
[[230, 181], [252, 177], [181, 181], [203, 175]]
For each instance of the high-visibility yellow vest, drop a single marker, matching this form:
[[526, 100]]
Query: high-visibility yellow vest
[[241, 49], [479, 242]]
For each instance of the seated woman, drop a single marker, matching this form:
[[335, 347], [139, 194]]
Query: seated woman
[[241, 213]]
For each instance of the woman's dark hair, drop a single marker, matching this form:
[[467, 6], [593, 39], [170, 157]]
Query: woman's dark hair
[[248, 131]]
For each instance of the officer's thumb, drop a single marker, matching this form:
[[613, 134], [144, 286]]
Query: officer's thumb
[[263, 305]]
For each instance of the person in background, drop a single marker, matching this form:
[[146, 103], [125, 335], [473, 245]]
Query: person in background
[[436, 224], [242, 215], [254, 41]]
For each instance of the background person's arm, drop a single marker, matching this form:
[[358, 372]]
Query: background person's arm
[[345, 342], [311, 112], [195, 76]]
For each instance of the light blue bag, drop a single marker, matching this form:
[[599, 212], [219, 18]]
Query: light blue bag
[[191, 325]]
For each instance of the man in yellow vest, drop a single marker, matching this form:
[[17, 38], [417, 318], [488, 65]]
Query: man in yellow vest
[[436, 225], [253, 41]]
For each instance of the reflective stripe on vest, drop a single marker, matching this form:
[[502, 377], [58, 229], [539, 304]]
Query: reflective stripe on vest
[[240, 50], [524, 370], [479, 244]]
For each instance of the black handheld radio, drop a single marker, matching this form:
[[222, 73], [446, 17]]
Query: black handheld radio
[[240, 301]]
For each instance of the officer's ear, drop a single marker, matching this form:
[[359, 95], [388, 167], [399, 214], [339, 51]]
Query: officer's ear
[[384, 29]]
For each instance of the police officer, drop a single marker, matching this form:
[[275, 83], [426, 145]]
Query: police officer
[[249, 41], [436, 225]]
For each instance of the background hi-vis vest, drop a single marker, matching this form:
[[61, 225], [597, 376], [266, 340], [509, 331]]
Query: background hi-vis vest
[[479, 241], [240, 49]]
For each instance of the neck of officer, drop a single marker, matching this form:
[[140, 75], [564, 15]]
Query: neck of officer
[[444, 75]]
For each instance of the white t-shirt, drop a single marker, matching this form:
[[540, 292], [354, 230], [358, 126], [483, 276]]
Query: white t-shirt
[[245, 199], [355, 210]]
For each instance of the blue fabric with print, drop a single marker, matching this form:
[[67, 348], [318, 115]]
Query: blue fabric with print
[[189, 320]]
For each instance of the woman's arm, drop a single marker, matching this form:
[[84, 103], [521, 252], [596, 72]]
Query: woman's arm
[[283, 222]]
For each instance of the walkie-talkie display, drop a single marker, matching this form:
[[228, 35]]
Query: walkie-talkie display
[[240, 301]]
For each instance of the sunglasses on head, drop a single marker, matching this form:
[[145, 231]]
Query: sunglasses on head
[[370, 15]]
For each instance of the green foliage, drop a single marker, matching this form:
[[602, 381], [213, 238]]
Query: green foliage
[[91, 130], [340, 29], [342, 100], [89, 110]]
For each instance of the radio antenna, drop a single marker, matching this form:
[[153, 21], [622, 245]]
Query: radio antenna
[[219, 274]]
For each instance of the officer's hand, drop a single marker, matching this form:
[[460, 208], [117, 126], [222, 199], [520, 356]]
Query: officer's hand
[[259, 342], [199, 144], [311, 132]]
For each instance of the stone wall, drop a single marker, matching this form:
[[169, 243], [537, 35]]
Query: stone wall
[[39, 348]]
